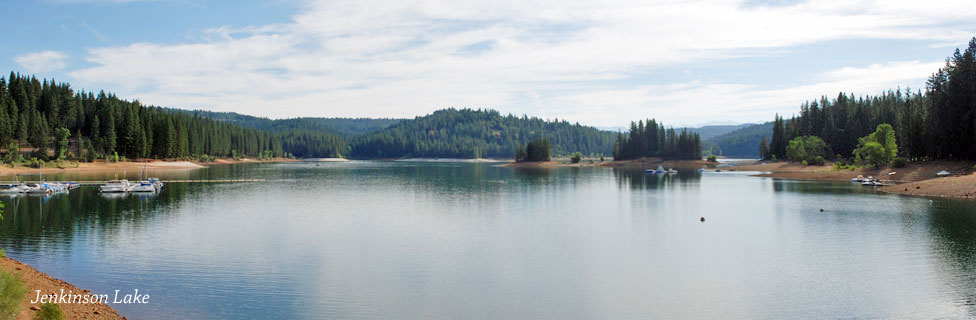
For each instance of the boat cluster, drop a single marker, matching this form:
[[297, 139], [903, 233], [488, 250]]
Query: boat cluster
[[124, 186], [867, 182], [38, 188], [660, 170]]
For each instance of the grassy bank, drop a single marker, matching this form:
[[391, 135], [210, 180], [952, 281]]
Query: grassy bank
[[34, 280]]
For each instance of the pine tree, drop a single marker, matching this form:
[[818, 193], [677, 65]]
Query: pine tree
[[39, 134]]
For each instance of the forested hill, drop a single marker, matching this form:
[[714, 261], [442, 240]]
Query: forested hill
[[347, 127], [46, 115], [467, 133], [710, 131], [937, 123], [741, 143]]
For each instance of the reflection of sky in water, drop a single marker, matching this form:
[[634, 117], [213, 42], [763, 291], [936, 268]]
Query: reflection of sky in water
[[461, 240]]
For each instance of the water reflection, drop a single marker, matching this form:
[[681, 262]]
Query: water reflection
[[31, 222], [954, 242], [637, 179], [374, 239]]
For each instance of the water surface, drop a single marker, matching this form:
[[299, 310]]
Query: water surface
[[385, 240]]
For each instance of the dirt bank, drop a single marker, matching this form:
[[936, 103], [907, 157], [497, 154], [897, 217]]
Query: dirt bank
[[36, 280], [950, 187], [917, 179], [131, 166], [916, 171]]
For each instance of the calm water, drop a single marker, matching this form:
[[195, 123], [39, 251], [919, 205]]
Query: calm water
[[457, 240]]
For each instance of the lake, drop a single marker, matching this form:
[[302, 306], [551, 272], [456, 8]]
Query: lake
[[382, 240]]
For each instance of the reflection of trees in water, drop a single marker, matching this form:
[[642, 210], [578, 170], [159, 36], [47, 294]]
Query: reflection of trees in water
[[639, 180], [821, 187], [31, 222], [954, 241]]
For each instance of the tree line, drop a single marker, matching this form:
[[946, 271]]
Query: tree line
[[937, 123], [469, 133], [345, 127], [42, 114], [652, 139]]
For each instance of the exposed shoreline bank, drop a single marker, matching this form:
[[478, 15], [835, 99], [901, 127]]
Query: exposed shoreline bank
[[133, 166], [915, 179], [35, 280]]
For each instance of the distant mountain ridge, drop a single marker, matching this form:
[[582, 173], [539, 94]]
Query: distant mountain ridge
[[709, 131], [740, 143], [347, 127]]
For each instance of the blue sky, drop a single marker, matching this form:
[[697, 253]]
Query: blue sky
[[601, 63]]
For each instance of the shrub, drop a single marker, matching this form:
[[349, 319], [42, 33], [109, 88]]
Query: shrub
[[712, 159], [804, 163], [576, 157], [899, 162], [601, 160], [819, 160], [50, 311], [36, 163], [12, 291]]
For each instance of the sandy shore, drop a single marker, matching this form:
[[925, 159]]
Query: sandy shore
[[963, 187], [918, 178], [913, 172], [36, 280], [132, 166]]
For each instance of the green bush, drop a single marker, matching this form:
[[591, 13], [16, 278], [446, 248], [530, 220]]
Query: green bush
[[36, 163], [49, 311], [12, 291], [576, 157], [819, 160], [806, 148], [712, 159], [804, 163], [899, 162]]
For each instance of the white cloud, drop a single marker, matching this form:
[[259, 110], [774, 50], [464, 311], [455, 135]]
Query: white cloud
[[697, 102], [41, 62], [563, 59]]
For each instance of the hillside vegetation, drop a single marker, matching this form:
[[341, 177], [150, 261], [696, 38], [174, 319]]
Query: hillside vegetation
[[741, 143], [469, 133], [346, 127], [937, 123]]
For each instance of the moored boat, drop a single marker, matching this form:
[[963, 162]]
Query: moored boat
[[156, 183], [12, 189], [33, 188], [144, 186], [114, 186]]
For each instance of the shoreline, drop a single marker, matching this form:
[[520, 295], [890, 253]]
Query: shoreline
[[137, 165], [35, 280], [915, 179]]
